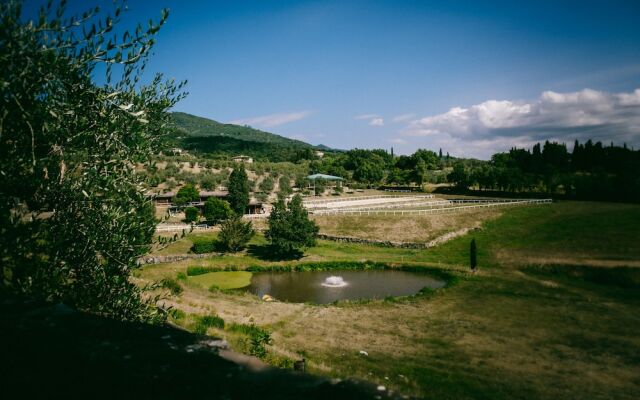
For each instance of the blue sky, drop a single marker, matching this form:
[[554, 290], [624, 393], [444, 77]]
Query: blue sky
[[472, 77]]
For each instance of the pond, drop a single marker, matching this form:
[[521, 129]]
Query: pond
[[324, 287]]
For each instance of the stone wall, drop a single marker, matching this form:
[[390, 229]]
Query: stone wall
[[167, 259], [383, 243], [406, 245]]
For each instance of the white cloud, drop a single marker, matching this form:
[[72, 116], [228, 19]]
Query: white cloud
[[272, 120], [402, 117], [374, 119], [497, 125], [398, 141], [366, 116], [630, 99]]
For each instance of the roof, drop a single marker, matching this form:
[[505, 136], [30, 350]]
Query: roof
[[217, 193], [325, 177], [169, 195]]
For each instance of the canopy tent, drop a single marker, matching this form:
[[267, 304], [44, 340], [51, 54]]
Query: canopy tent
[[329, 178], [325, 177]]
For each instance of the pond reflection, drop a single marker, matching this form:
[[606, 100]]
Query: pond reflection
[[323, 287]]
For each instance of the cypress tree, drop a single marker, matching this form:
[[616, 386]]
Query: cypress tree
[[290, 229], [239, 190], [473, 255]]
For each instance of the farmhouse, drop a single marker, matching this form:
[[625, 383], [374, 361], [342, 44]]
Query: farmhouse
[[166, 199], [241, 158]]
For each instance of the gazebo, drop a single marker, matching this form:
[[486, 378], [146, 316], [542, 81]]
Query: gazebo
[[329, 178]]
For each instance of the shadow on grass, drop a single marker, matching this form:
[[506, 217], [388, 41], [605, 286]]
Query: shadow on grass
[[50, 343], [269, 253]]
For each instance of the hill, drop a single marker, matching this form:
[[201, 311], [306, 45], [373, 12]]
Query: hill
[[207, 136]]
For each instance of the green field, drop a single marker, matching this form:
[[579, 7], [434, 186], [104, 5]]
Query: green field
[[551, 313], [223, 280]]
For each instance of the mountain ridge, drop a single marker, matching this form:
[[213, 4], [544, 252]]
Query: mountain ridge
[[193, 125]]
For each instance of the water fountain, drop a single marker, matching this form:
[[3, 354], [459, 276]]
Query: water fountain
[[334, 282]]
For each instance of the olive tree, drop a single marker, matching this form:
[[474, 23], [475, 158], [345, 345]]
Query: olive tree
[[73, 215], [235, 234], [216, 210], [187, 194]]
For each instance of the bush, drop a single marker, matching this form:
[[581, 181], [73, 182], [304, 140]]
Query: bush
[[267, 184], [181, 276], [205, 322], [285, 185], [319, 186], [173, 286], [186, 194], [177, 314], [235, 234], [258, 338], [203, 245], [191, 214], [258, 343], [212, 321], [216, 210], [198, 270]]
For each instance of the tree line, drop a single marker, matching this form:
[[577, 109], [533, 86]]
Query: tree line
[[592, 171]]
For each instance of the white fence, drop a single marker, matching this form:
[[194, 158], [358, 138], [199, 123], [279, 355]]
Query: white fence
[[312, 203], [256, 216], [404, 204], [475, 205], [181, 227]]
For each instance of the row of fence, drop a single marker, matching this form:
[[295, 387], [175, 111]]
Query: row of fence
[[474, 205], [404, 204], [355, 198], [181, 227]]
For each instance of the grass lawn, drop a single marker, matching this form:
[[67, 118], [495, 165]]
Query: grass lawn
[[551, 313], [223, 280]]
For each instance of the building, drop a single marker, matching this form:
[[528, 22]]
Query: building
[[166, 199], [241, 158]]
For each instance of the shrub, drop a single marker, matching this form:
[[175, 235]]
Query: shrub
[[235, 234], [181, 276], [319, 186], [208, 181], [191, 214], [258, 338], [177, 314], [263, 197], [258, 342], [212, 321], [473, 255], [203, 323], [285, 185], [173, 286], [186, 194], [198, 270], [216, 210], [267, 184], [203, 245]]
